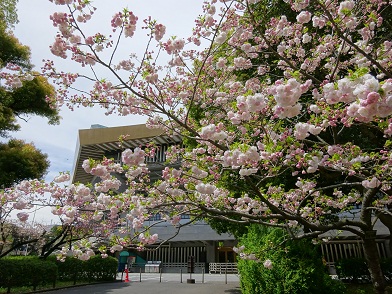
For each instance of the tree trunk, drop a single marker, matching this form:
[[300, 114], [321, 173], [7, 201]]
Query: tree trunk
[[386, 219], [374, 262]]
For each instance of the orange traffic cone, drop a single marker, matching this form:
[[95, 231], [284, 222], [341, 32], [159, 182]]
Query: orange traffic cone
[[126, 276]]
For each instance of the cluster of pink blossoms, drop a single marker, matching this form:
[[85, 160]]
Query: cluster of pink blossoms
[[287, 97], [127, 21]]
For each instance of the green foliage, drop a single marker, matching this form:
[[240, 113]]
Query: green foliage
[[93, 270], [20, 161], [386, 265], [12, 50], [7, 120], [26, 271], [71, 269], [221, 227], [355, 270], [101, 269], [297, 265], [31, 98], [8, 12]]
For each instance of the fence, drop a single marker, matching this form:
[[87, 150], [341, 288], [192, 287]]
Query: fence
[[222, 268], [168, 267], [335, 250]]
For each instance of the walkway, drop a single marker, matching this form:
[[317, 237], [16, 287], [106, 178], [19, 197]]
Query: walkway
[[166, 284]]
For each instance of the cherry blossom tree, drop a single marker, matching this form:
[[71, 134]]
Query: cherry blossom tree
[[16, 235], [284, 107], [81, 225]]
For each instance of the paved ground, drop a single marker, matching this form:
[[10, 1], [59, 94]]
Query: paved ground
[[165, 284]]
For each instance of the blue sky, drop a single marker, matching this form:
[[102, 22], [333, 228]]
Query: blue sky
[[35, 30]]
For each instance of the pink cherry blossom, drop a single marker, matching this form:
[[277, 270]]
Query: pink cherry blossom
[[22, 216], [304, 17], [135, 157], [268, 264], [159, 31], [372, 183]]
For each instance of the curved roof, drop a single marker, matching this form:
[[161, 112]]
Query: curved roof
[[94, 143]]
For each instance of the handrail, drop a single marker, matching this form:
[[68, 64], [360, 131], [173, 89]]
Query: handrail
[[229, 267]]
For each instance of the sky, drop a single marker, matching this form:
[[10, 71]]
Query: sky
[[36, 31]]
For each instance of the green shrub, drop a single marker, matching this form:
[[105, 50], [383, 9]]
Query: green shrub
[[386, 265], [10, 273], [71, 269], [297, 265], [101, 269], [41, 272], [26, 271], [353, 270], [32, 272], [93, 270]]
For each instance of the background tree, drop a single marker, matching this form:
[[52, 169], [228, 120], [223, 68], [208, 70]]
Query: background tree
[[21, 161], [8, 12], [24, 93], [19, 238]]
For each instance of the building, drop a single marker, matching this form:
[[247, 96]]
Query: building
[[198, 239]]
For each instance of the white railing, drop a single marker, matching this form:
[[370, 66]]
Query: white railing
[[171, 264], [222, 268], [182, 264]]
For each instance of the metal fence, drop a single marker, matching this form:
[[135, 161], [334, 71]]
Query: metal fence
[[221, 268], [336, 250]]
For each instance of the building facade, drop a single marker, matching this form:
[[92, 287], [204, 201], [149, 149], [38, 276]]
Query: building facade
[[209, 249], [198, 239]]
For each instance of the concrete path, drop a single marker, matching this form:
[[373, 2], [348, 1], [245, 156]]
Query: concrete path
[[165, 284]]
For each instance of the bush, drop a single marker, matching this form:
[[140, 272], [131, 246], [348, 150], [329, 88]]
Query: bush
[[101, 269], [9, 273], [296, 265], [71, 269], [41, 272], [386, 265], [26, 271], [353, 270], [32, 272], [93, 270]]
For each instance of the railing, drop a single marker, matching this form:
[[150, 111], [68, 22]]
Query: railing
[[169, 265], [335, 250], [222, 268], [182, 264], [214, 268]]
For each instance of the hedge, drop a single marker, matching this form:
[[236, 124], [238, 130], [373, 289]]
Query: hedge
[[69, 270], [101, 269], [96, 269], [26, 271]]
